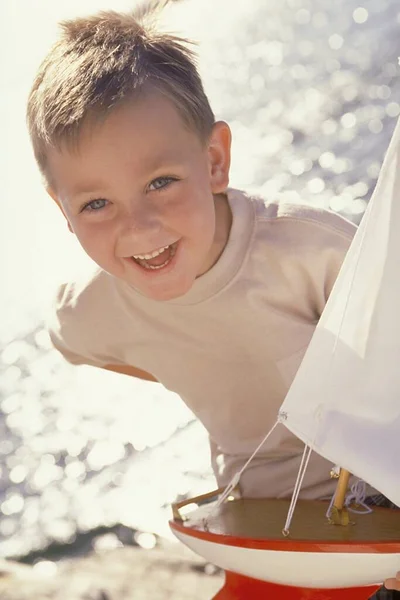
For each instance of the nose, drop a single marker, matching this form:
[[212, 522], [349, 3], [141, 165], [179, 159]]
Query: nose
[[140, 222]]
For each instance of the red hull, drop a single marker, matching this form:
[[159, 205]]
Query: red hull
[[238, 587]]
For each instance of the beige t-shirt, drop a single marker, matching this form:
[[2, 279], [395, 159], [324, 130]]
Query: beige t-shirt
[[231, 346]]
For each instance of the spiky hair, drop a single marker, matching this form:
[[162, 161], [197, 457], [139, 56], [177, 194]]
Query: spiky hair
[[104, 60]]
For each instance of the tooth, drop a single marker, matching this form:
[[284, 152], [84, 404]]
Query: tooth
[[151, 255]]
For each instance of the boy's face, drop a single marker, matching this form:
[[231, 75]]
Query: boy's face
[[142, 194]]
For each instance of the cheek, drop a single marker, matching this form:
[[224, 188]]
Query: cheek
[[94, 239], [196, 221], [195, 210], [204, 216]]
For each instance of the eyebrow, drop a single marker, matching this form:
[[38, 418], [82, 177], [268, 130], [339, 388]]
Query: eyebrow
[[85, 189], [161, 160]]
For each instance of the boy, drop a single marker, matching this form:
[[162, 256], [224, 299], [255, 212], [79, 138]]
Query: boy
[[210, 292]]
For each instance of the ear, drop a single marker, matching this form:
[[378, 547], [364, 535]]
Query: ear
[[219, 152], [54, 197]]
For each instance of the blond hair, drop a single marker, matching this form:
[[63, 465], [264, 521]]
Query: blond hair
[[101, 61]]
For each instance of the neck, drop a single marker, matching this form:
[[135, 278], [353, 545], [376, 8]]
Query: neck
[[223, 224]]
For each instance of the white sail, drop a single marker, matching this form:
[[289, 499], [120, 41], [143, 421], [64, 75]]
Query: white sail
[[345, 399]]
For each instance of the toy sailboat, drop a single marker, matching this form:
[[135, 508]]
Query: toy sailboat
[[344, 404]]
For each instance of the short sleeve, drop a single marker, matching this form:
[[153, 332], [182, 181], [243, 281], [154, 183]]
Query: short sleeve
[[74, 332], [333, 240], [310, 244], [338, 253]]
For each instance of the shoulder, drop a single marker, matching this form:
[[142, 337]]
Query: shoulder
[[83, 297], [293, 220], [80, 315], [300, 244]]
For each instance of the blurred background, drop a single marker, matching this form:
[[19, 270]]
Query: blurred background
[[311, 92]]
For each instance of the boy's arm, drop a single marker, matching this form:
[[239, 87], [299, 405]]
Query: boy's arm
[[132, 371]]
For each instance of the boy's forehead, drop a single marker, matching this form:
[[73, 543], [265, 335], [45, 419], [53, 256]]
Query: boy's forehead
[[143, 134], [151, 123]]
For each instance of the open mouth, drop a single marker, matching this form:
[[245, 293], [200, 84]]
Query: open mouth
[[158, 259]]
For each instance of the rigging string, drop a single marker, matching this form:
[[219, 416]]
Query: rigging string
[[300, 475], [299, 482], [356, 495], [236, 478]]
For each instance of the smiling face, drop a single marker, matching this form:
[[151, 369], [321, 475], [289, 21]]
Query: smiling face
[[145, 197]]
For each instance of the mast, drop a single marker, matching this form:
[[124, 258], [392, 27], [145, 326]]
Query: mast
[[339, 514]]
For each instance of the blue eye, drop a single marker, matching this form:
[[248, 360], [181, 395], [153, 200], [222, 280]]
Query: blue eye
[[160, 183], [95, 205]]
